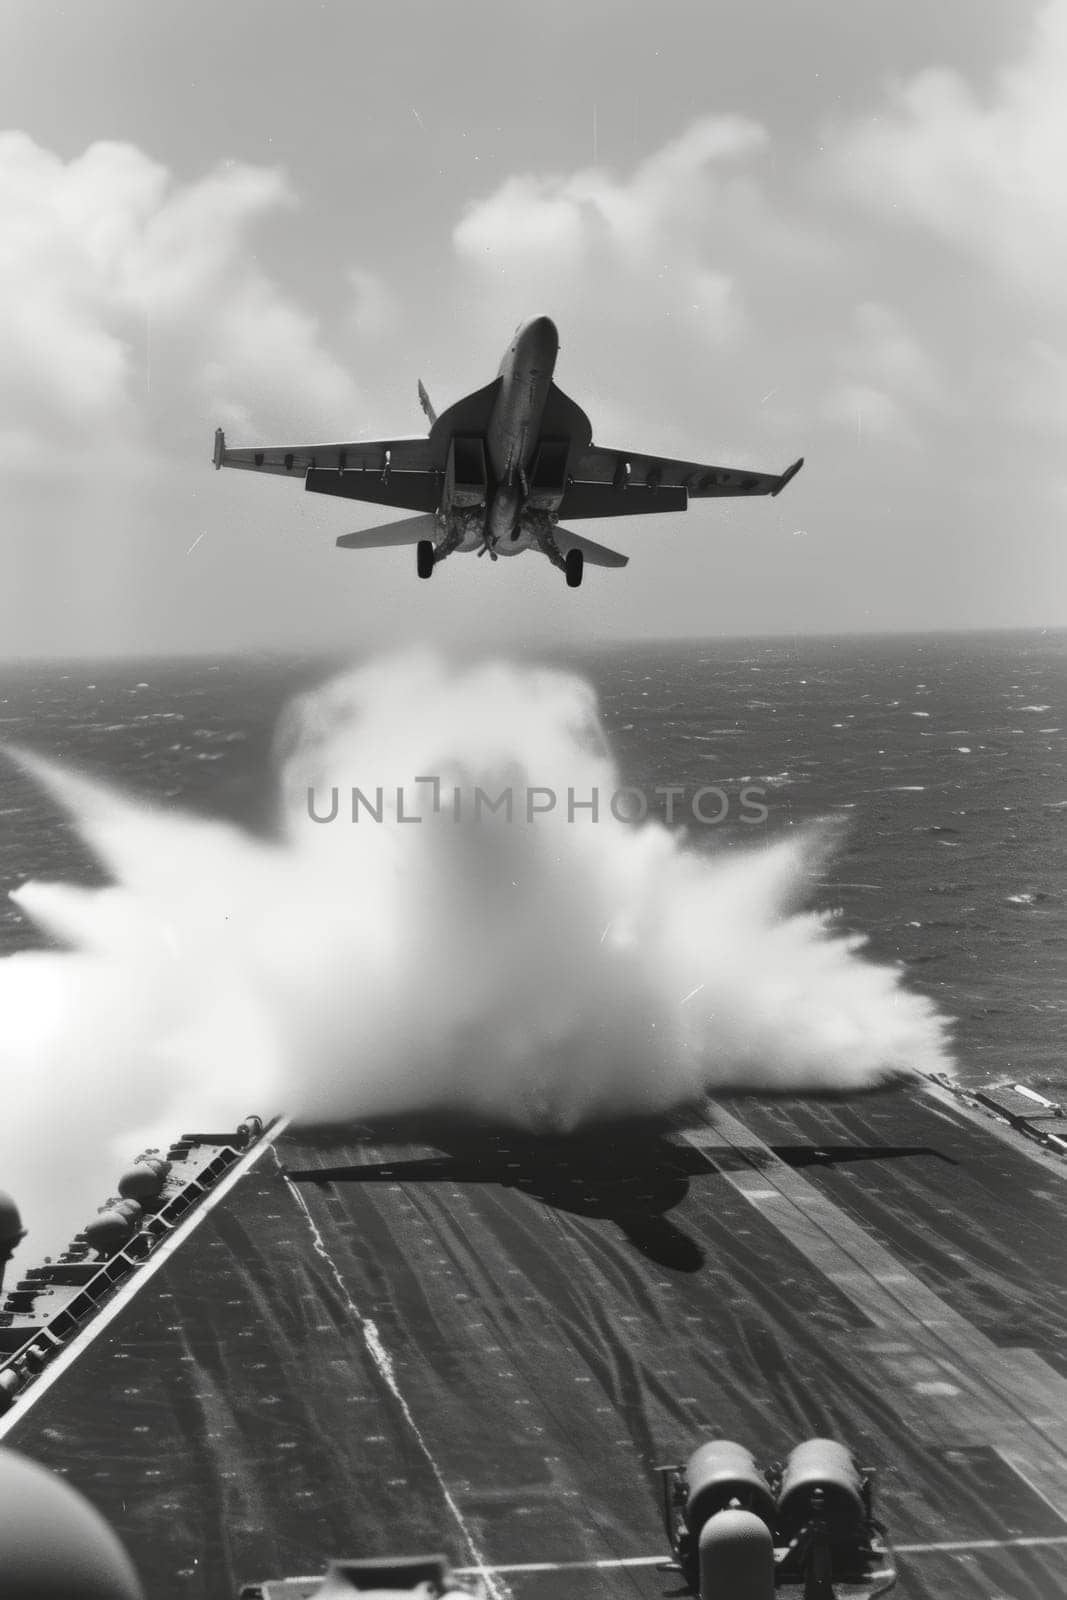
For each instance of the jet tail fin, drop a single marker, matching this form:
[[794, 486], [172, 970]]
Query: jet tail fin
[[390, 534], [424, 402], [597, 555]]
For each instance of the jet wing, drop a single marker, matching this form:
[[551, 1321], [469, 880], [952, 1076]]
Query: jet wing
[[367, 455], [603, 482], [391, 472]]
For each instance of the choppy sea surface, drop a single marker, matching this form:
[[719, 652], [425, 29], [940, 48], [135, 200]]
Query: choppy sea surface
[[943, 757]]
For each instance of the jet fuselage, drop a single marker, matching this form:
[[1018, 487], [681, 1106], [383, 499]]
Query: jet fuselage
[[515, 428], [526, 370]]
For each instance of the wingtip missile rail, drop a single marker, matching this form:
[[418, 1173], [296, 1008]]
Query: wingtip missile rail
[[787, 476]]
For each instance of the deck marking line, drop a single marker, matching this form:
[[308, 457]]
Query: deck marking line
[[122, 1297], [1035, 1542], [606, 1563], [384, 1365], [1014, 1466], [949, 1546]]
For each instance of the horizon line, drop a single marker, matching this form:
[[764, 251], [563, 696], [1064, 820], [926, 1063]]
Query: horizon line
[[312, 654]]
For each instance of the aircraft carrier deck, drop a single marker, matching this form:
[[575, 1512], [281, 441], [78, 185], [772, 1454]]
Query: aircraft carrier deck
[[482, 1344]]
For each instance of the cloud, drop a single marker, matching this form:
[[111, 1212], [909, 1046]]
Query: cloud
[[706, 249], [982, 174], [672, 284], [660, 243], [738, 297], [127, 297]]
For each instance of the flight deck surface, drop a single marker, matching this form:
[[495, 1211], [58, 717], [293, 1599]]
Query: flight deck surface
[[413, 1339]]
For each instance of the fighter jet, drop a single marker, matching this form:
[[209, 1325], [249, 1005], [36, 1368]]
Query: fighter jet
[[501, 471]]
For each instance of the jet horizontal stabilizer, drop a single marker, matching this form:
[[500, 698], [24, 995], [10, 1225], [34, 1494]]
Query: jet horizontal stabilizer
[[390, 534], [597, 555]]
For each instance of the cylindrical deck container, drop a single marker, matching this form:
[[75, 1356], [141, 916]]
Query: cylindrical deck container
[[718, 1473], [825, 1465]]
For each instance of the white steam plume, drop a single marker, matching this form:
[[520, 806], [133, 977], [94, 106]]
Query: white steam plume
[[543, 972]]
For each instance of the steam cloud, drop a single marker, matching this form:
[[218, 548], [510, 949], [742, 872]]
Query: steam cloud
[[544, 973]]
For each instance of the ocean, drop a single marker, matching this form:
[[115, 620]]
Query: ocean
[[942, 757]]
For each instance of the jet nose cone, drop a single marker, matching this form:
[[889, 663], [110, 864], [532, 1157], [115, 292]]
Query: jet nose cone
[[542, 340]]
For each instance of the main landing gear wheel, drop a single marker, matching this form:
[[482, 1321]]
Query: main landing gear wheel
[[424, 558], [573, 567]]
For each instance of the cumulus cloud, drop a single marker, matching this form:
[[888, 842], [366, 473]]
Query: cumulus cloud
[[666, 238], [883, 284], [124, 291], [724, 236], [691, 269], [672, 283], [984, 173], [966, 185]]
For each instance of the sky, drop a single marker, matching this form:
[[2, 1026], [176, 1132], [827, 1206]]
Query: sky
[[763, 230]]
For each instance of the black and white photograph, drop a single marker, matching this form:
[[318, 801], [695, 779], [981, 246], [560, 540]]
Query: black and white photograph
[[533, 905]]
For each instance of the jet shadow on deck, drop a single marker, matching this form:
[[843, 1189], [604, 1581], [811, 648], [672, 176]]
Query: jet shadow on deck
[[736, 1158], [833, 1155], [631, 1175]]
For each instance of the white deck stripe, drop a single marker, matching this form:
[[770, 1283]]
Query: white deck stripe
[[980, 1544], [77, 1347], [948, 1547], [608, 1562]]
